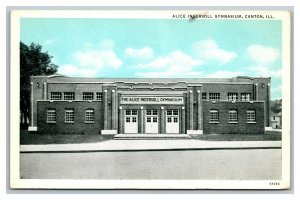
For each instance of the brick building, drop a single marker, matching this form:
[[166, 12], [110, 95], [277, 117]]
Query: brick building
[[64, 105]]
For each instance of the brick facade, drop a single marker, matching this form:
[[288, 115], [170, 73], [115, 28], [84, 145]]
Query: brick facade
[[110, 111]]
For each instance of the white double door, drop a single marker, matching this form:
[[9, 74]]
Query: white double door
[[172, 121], [131, 121], [151, 122]]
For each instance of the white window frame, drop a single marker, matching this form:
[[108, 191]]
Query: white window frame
[[69, 96], [55, 96], [214, 96], [51, 116], [233, 116], [233, 96], [69, 115], [87, 96], [245, 96], [251, 116], [99, 96], [213, 116], [89, 117]]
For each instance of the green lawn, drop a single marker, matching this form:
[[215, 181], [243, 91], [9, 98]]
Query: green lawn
[[35, 138]]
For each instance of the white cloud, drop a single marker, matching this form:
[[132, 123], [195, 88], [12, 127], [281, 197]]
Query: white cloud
[[92, 60], [75, 71], [265, 71], [145, 53], [262, 55], [208, 50], [224, 74], [175, 64], [98, 58]]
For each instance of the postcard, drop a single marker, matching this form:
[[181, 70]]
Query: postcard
[[150, 99]]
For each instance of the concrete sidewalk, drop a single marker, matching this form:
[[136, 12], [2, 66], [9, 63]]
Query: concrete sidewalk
[[150, 145]]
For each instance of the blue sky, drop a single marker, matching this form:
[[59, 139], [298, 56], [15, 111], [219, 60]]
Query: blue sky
[[160, 47]]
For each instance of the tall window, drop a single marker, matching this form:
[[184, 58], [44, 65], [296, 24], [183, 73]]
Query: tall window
[[245, 96], [233, 116], [51, 116], [89, 116], [251, 116], [204, 96], [99, 96], [87, 96], [232, 96], [214, 96], [214, 116], [69, 115], [55, 95], [69, 96]]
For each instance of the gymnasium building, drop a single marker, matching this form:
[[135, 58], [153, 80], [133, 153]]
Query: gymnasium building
[[67, 105]]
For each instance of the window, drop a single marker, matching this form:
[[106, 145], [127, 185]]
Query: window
[[169, 112], [134, 119], [127, 119], [89, 116], [69, 115], [87, 96], [99, 96], [175, 112], [169, 119], [233, 116], [251, 116], [213, 116], [134, 112], [245, 96], [69, 96], [214, 96], [155, 119], [55, 96], [204, 96], [51, 116], [154, 112], [175, 120], [148, 119], [232, 96]]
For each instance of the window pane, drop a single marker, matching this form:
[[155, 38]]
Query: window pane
[[169, 119], [232, 115], [51, 116], [251, 116], [134, 112], [134, 119], [154, 119], [175, 119], [69, 115], [69, 96], [154, 112], [214, 116], [128, 112], [148, 119], [127, 119], [99, 96], [214, 96], [55, 96], [87, 96], [175, 112], [89, 116]]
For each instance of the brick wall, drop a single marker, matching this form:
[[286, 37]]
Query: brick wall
[[242, 127], [78, 127]]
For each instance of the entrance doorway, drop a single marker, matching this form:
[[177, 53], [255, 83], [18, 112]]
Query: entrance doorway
[[151, 121], [131, 121], [172, 121]]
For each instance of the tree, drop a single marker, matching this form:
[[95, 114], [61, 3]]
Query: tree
[[276, 106], [33, 62]]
